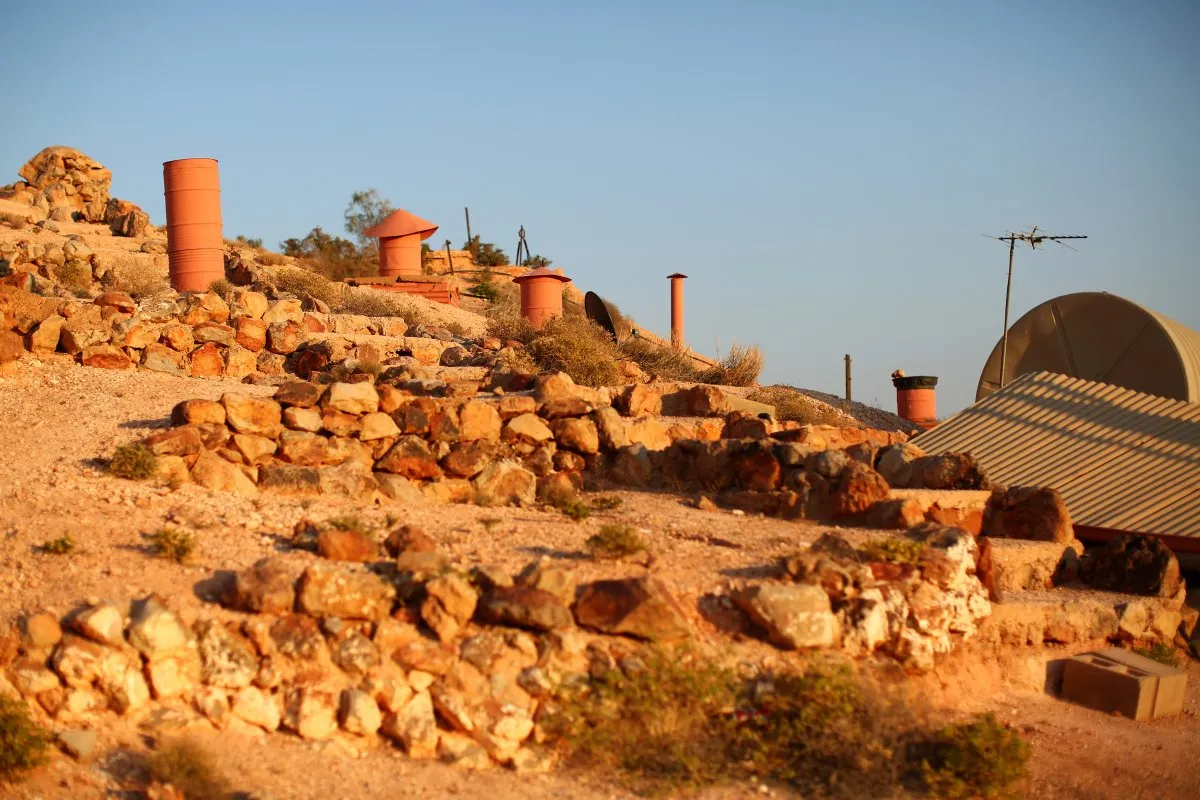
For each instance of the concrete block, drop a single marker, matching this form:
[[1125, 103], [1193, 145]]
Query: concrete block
[[1118, 680]]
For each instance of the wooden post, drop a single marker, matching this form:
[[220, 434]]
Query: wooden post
[[848, 395], [470, 244], [449, 258]]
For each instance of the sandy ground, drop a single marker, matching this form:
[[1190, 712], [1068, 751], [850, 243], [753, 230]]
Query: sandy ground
[[57, 419]]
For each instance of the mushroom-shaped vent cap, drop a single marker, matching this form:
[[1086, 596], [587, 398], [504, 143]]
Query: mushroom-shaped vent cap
[[401, 223]]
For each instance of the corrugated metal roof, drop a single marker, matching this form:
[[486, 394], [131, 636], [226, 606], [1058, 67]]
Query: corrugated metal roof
[[1121, 459]]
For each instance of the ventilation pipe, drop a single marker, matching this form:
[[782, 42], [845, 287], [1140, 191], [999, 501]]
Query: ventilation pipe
[[677, 309], [916, 400], [400, 234], [541, 294], [195, 247]]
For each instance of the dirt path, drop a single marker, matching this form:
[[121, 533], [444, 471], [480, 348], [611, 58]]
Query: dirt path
[[56, 419]]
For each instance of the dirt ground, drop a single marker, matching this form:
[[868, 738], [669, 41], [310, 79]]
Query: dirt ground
[[57, 419]]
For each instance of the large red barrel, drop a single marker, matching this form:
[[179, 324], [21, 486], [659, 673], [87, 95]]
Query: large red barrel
[[195, 246]]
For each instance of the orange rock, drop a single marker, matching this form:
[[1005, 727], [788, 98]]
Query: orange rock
[[207, 361]]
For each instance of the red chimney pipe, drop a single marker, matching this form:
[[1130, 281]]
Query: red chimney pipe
[[677, 309], [541, 294], [916, 400]]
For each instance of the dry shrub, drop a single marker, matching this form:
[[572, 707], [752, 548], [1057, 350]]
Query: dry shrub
[[799, 407], [74, 275], [301, 282], [740, 368], [272, 259], [172, 544], [23, 743], [379, 303], [504, 321], [578, 347], [139, 277], [134, 461], [62, 546], [191, 769], [615, 541], [983, 758], [896, 550], [665, 362]]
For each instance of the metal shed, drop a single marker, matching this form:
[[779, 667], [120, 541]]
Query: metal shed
[[1099, 336]]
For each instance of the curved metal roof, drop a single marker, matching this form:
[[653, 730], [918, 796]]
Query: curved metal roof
[[1099, 336]]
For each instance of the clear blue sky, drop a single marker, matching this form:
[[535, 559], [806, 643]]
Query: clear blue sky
[[822, 171]]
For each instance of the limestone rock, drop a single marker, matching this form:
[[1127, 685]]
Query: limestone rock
[[479, 421], [346, 545], [948, 471], [895, 463], [154, 630], [859, 487], [257, 415], [523, 607], [300, 394], [639, 400], [410, 457], [359, 713], [265, 588], [254, 706], [449, 603], [227, 659], [215, 473], [414, 726], [103, 623], [527, 428], [311, 712], [351, 398], [577, 433], [794, 616], [505, 483], [1028, 513], [328, 591], [105, 356]]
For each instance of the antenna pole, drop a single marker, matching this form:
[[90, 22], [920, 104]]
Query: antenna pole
[[1033, 239], [1012, 245]]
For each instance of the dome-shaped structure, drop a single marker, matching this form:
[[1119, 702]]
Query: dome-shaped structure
[[1098, 336]]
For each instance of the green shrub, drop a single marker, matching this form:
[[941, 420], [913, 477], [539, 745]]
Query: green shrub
[[172, 544], [23, 743], [740, 368], [1161, 652], [615, 541], [894, 549], [331, 256], [485, 254], [349, 522], [984, 758], [191, 769], [485, 287], [134, 461], [606, 502], [62, 546]]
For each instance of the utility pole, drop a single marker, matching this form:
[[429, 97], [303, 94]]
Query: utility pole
[[470, 244], [1033, 238], [848, 362]]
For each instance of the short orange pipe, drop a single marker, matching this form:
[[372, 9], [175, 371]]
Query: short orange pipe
[[400, 255], [541, 295], [677, 310], [916, 400], [195, 247]]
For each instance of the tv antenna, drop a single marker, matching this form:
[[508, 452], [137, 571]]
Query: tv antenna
[[1033, 237]]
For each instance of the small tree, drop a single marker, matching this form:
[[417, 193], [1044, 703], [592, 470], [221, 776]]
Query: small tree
[[536, 262], [486, 287], [365, 210], [486, 254]]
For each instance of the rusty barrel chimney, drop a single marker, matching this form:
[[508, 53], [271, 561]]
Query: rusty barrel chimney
[[195, 247], [677, 309], [916, 400], [400, 234], [541, 294]]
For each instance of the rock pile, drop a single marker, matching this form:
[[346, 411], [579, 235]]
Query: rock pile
[[61, 183]]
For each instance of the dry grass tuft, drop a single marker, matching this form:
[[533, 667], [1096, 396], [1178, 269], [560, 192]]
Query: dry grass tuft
[[665, 362], [139, 278], [192, 770], [301, 282], [272, 259], [379, 303], [172, 544], [74, 275], [799, 407], [740, 368], [62, 546]]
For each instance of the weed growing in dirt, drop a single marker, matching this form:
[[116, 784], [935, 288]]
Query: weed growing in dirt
[[74, 275], [62, 546], [1161, 652], [606, 502], [983, 758], [489, 523], [221, 288], [615, 541], [665, 362], [740, 368], [896, 550], [134, 461], [23, 743], [566, 500], [191, 769], [172, 544], [272, 259]]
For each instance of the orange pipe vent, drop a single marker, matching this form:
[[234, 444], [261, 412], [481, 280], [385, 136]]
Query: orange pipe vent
[[916, 399], [400, 234], [195, 246], [677, 309], [541, 294]]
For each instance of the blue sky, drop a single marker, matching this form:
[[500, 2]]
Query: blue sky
[[821, 171]]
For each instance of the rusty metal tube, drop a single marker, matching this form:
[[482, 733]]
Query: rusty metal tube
[[400, 255], [677, 310], [195, 246]]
